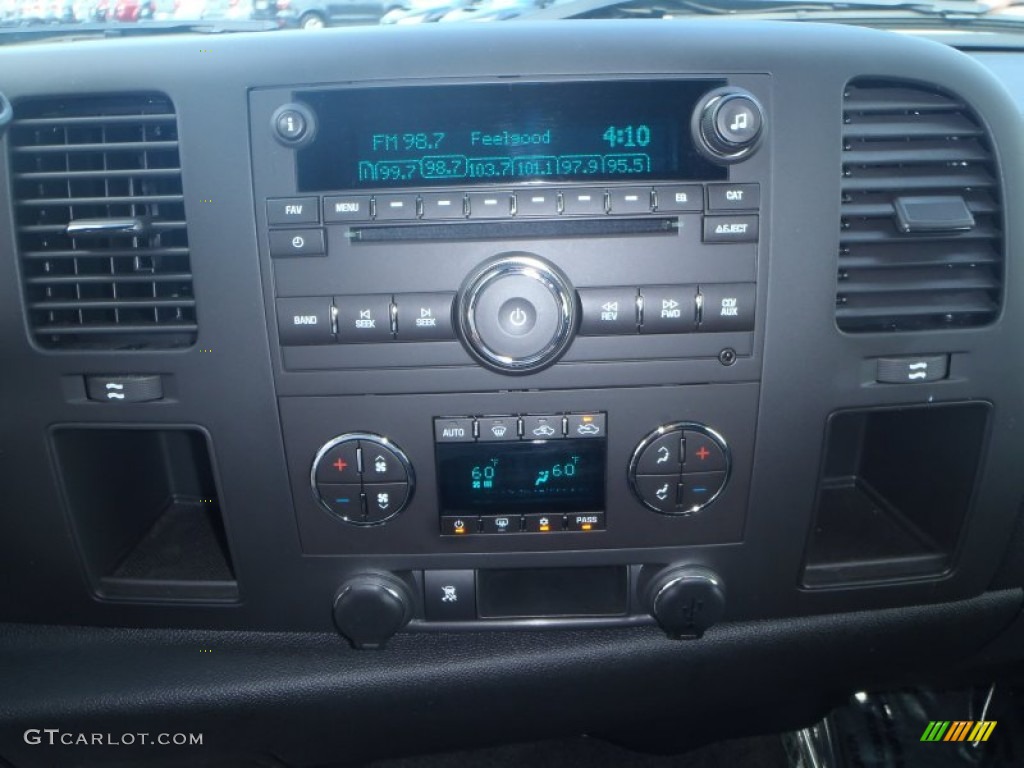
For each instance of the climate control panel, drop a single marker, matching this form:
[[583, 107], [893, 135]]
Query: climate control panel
[[362, 478]]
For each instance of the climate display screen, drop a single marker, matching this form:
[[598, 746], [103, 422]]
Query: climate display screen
[[540, 476], [460, 135]]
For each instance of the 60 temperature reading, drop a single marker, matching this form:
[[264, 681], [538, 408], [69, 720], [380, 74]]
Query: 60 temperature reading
[[558, 470]]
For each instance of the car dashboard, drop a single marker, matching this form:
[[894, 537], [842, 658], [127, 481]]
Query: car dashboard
[[583, 377]]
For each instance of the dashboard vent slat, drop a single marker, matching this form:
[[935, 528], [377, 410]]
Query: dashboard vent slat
[[907, 146], [99, 160]]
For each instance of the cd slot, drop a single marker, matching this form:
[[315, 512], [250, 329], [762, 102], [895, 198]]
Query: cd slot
[[504, 230]]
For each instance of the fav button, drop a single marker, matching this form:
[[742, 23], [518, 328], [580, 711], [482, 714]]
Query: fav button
[[293, 210]]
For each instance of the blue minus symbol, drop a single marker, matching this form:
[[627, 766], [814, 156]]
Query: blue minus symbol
[[700, 490], [341, 501]]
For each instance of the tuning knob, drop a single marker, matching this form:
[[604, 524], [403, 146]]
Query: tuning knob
[[371, 607], [517, 313], [685, 600], [728, 125]]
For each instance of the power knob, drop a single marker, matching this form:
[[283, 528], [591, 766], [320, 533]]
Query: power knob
[[728, 124], [517, 313], [685, 600]]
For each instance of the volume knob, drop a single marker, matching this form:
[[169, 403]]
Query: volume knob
[[517, 313]]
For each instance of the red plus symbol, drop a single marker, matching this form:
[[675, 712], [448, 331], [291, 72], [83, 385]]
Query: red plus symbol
[[703, 453], [340, 464]]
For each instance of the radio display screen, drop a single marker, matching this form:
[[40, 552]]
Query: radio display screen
[[530, 476], [506, 133]]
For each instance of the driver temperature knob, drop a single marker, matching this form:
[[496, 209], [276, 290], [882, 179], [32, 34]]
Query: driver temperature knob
[[517, 313], [685, 600]]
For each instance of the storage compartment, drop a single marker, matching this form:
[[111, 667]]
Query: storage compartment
[[895, 492], [552, 592], [146, 513]]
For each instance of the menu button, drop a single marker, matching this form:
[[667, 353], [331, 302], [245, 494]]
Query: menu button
[[347, 208]]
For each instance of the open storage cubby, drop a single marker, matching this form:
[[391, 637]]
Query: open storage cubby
[[146, 513], [895, 492]]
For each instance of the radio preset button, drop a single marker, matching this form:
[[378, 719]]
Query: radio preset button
[[583, 202], [443, 205], [395, 207], [453, 430], [346, 208], [297, 242], [490, 205], [293, 210], [669, 309], [363, 318], [304, 321], [730, 229], [679, 199], [608, 311], [585, 425], [736, 197], [542, 427], [727, 307], [494, 428], [537, 203], [629, 200], [424, 316]]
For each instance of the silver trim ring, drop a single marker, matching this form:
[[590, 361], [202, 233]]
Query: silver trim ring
[[537, 269], [679, 426], [368, 437]]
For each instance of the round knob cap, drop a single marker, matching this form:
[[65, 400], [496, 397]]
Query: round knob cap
[[517, 313], [728, 125], [686, 600], [370, 608]]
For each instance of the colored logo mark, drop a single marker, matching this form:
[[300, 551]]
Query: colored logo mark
[[958, 730]]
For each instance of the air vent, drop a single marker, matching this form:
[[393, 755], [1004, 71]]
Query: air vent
[[921, 238], [100, 222]]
